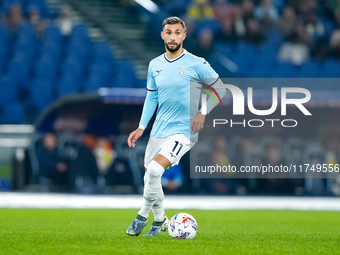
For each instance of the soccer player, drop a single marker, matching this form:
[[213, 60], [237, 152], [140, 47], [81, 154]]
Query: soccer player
[[170, 86]]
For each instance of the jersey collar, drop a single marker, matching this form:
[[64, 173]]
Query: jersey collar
[[173, 60]]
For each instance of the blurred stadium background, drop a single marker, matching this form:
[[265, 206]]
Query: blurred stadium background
[[72, 85]]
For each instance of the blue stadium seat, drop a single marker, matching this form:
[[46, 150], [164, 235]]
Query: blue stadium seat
[[26, 41], [53, 33], [5, 34], [80, 49], [73, 66], [126, 76], [4, 45], [309, 69], [80, 31], [67, 85], [102, 51], [176, 6], [245, 56], [268, 49], [52, 49], [330, 68], [7, 4], [285, 70], [37, 4], [13, 114], [19, 70], [261, 70], [8, 92], [46, 68], [265, 63], [274, 37], [225, 49], [42, 93], [94, 82], [104, 69]]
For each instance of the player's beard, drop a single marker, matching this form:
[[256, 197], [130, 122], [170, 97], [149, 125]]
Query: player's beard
[[172, 50]]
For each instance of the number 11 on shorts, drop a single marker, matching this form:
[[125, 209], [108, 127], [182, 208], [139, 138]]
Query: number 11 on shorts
[[179, 149]]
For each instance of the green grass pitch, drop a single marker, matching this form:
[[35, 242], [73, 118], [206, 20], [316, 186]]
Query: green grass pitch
[[79, 231]]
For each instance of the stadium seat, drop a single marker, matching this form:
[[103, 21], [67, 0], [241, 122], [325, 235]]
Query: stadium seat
[[13, 113], [126, 76], [245, 56], [330, 69], [52, 33], [5, 34], [45, 68], [177, 7], [225, 49], [80, 31], [102, 51], [3, 56], [7, 4], [52, 49], [41, 93], [26, 42], [274, 37], [37, 4], [79, 49], [19, 71], [309, 69], [68, 84], [104, 69], [8, 92], [285, 70], [73, 66], [95, 81]]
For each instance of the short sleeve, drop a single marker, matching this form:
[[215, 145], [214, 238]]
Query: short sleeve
[[150, 82], [206, 73]]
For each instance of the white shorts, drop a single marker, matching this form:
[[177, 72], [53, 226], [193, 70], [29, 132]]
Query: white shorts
[[172, 147]]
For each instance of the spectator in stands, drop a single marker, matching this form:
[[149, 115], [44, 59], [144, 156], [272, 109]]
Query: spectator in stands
[[296, 50], [35, 19], [335, 45], [254, 34], [51, 165], [334, 6], [267, 13], [241, 14], [287, 21], [14, 17], [200, 11], [303, 7], [205, 44], [223, 10], [220, 157], [203, 17], [65, 20], [276, 182], [314, 25], [172, 179], [321, 50], [228, 32], [83, 164], [247, 9], [104, 154]]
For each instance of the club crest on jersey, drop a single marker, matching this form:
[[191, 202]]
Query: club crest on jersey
[[182, 70]]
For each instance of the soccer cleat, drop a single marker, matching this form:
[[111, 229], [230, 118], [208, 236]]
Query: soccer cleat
[[137, 226], [157, 227]]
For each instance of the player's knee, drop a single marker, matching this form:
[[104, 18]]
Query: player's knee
[[155, 169]]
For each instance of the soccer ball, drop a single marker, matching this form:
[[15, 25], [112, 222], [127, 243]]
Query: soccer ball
[[182, 226]]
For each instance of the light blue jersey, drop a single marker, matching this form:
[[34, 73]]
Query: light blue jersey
[[169, 85]]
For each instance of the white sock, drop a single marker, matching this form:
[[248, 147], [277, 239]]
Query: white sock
[[158, 208], [152, 187]]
